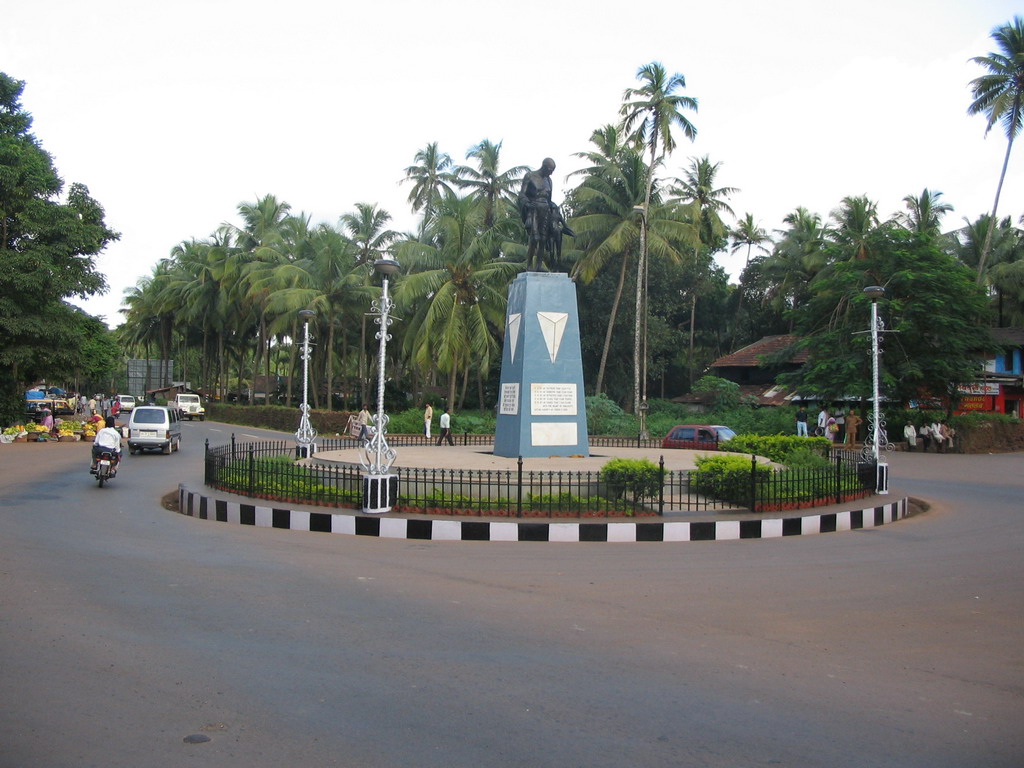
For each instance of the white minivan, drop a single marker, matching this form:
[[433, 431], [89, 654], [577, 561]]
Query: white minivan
[[154, 426]]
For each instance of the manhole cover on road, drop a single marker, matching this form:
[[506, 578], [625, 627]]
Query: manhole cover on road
[[197, 738]]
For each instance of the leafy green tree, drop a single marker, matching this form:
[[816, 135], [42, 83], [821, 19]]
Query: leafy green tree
[[998, 96], [47, 247], [936, 322]]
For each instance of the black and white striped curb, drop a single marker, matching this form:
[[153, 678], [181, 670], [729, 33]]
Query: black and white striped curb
[[207, 508]]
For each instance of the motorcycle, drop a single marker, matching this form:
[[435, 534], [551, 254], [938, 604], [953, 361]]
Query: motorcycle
[[106, 467]]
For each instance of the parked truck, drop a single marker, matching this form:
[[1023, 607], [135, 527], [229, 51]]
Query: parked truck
[[189, 407]]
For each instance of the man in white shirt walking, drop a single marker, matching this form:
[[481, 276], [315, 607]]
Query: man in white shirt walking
[[446, 428]]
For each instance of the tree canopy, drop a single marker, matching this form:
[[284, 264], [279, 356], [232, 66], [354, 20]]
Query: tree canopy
[[47, 247], [935, 319]]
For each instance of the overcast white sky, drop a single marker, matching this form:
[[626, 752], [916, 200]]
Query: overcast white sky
[[174, 113]]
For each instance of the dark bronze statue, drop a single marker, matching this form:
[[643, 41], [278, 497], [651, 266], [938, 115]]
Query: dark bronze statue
[[543, 220]]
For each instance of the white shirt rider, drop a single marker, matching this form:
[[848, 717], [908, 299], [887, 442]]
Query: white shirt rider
[[108, 437]]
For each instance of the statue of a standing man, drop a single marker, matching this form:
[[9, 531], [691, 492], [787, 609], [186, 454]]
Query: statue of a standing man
[[541, 217]]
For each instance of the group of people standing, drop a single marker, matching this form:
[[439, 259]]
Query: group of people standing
[[99, 405], [838, 425], [359, 425]]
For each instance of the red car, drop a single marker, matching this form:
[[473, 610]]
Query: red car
[[704, 437]]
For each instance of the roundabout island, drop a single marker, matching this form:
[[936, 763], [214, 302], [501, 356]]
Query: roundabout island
[[454, 469]]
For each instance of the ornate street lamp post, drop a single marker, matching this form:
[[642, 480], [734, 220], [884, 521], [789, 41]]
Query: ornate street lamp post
[[644, 407], [876, 424], [305, 437], [380, 488]]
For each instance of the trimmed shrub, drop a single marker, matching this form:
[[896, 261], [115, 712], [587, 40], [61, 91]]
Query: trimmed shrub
[[640, 478], [726, 477]]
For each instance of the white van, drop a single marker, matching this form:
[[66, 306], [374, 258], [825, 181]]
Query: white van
[[189, 407], [153, 426]]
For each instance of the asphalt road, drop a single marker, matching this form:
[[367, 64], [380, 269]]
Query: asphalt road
[[126, 629]]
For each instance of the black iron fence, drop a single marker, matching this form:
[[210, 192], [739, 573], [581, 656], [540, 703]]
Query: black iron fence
[[268, 470]]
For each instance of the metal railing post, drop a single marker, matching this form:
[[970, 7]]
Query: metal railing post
[[661, 485], [753, 483], [252, 473], [519, 491]]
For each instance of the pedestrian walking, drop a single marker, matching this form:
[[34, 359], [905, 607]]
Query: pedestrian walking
[[364, 419], [446, 428]]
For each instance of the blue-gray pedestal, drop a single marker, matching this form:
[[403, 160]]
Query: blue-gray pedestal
[[380, 492], [541, 406]]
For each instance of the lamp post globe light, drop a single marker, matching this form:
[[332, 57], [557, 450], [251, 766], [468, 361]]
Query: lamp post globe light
[[305, 437], [876, 424], [380, 487]]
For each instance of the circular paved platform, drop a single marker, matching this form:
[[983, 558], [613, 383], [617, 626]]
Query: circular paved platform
[[481, 457]]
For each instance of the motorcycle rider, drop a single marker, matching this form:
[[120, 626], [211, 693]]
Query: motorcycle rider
[[107, 439]]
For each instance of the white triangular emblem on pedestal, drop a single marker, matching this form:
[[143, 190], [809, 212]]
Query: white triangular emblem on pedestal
[[512, 333], [552, 327]]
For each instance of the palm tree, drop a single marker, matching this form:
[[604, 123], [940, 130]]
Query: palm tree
[[365, 229], [697, 190], [609, 225], [494, 189], [796, 261], [432, 176], [748, 234], [610, 148], [998, 96], [259, 246], [854, 220], [454, 293], [1007, 278], [1002, 266], [335, 286], [649, 113], [924, 213]]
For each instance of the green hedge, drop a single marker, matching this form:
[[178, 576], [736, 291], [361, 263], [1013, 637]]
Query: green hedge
[[777, 448]]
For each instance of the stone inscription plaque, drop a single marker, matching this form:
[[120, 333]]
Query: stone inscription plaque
[[553, 399], [509, 404]]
